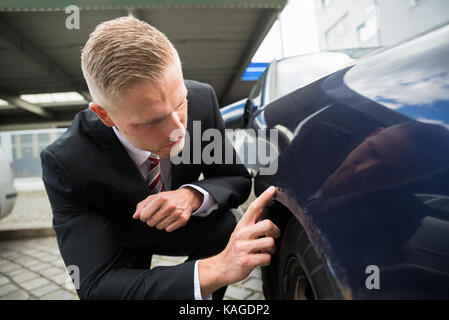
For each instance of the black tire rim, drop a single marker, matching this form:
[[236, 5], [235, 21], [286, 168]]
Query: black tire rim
[[296, 285]]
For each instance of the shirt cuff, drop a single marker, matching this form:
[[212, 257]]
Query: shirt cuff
[[209, 204], [196, 285]]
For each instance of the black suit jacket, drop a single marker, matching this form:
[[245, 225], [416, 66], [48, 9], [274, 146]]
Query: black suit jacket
[[94, 187]]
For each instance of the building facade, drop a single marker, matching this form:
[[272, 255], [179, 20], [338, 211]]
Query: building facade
[[24, 148], [371, 23]]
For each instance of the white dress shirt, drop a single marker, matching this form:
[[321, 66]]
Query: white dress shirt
[[142, 161]]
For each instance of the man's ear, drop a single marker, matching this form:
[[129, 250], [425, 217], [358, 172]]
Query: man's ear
[[102, 114]]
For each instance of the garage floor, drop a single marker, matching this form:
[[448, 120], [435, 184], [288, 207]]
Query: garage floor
[[33, 268]]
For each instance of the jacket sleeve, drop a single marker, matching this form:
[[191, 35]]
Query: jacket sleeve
[[228, 183], [88, 240]]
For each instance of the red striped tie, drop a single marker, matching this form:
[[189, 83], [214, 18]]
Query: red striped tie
[[154, 178]]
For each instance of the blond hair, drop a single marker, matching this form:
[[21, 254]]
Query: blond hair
[[120, 51]]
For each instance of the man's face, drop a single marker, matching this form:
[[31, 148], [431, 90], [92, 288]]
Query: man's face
[[147, 113], [374, 164]]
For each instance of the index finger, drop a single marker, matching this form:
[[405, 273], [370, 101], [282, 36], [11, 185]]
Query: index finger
[[140, 206], [254, 210]]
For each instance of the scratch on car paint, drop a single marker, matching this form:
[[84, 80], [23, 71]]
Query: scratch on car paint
[[318, 241]]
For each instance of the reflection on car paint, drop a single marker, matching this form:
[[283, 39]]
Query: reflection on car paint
[[414, 82], [369, 178], [391, 157]]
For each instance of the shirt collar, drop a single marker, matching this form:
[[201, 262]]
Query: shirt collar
[[139, 156]]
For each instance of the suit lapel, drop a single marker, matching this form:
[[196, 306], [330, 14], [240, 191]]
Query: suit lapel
[[123, 170], [176, 176]]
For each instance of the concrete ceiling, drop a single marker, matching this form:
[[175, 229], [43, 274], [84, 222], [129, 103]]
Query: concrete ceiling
[[216, 40]]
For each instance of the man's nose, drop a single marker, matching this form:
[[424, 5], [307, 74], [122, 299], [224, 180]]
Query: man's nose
[[176, 122]]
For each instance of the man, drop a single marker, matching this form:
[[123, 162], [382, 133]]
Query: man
[[116, 197], [391, 157]]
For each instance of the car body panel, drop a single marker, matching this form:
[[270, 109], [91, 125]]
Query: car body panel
[[7, 191], [233, 114], [268, 87], [395, 213]]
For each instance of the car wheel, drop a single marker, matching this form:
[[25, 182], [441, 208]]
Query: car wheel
[[302, 275], [279, 215], [269, 276]]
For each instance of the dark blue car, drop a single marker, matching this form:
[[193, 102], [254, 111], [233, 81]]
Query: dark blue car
[[363, 179]]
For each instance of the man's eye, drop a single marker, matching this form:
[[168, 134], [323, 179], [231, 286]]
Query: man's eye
[[151, 124], [155, 122]]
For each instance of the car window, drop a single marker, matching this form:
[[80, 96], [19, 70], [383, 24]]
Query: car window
[[297, 72]]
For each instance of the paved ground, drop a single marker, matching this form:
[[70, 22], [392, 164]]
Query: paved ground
[[33, 268], [31, 210]]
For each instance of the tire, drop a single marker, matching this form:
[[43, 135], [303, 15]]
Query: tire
[[280, 216], [269, 275], [302, 275]]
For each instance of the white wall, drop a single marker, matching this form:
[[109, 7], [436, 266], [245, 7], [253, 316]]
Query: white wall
[[326, 18], [397, 20]]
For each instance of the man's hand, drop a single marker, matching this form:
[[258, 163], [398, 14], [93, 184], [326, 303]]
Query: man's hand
[[169, 210], [250, 245]]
